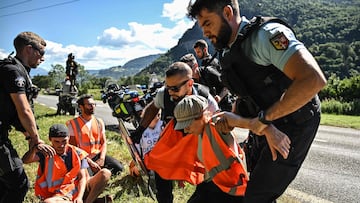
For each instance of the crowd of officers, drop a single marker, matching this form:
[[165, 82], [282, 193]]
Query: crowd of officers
[[264, 80]]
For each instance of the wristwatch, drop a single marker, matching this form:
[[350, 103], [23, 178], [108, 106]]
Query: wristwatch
[[261, 117]]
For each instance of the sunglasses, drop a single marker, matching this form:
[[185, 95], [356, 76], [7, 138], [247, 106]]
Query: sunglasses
[[177, 87], [41, 52]]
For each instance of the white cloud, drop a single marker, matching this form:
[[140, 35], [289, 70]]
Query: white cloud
[[117, 46], [176, 10]]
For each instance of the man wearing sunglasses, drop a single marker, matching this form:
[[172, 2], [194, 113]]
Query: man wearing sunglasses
[[15, 110], [178, 84]]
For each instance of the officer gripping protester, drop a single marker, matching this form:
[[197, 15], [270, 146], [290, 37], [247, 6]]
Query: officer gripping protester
[[15, 111]]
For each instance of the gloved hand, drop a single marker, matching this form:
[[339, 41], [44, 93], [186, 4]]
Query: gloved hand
[[137, 134]]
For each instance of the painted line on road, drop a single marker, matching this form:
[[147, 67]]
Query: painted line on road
[[304, 197], [320, 140]]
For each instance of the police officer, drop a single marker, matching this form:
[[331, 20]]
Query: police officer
[[15, 111], [201, 50], [178, 84], [210, 77], [71, 70], [277, 81]]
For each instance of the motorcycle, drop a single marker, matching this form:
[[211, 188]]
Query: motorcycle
[[124, 103]]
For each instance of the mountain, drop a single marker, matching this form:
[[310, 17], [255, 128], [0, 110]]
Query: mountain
[[330, 29], [130, 68]]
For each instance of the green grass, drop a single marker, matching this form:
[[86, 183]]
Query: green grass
[[124, 187], [345, 121]]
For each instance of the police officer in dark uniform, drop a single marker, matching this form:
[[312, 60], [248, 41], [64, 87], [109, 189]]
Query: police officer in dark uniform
[[210, 77], [201, 50], [276, 80], [71, 70], [15, 86]]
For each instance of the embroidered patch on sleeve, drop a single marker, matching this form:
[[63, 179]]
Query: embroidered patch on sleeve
[[280, 41], [20, 81]]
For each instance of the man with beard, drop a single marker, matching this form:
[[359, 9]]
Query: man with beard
[[88, 133], [178, 84], [201, 50], [15, 111], [276, 80]]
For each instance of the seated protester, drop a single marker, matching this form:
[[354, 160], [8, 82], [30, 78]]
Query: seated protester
[[88, 133], [149, 138], [201, 147], [64, 177]]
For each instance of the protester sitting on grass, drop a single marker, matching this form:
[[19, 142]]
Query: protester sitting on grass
[[64, 177]]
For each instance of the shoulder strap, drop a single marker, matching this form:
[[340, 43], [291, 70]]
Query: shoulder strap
[[202, 90]]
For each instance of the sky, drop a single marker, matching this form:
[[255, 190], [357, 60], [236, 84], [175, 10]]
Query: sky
[[100, 33]]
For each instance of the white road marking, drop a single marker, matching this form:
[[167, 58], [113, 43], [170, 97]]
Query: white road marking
[[304, 197]]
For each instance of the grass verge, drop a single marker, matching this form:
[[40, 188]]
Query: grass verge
[[123, 187]]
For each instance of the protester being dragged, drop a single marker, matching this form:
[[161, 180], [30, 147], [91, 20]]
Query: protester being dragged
[[202, 156], [178, 84]]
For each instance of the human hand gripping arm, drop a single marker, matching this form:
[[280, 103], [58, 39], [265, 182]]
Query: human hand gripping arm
[[277, 140], [226, 121], [27, 120]]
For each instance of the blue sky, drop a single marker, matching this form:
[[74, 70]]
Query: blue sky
[[100, 33]]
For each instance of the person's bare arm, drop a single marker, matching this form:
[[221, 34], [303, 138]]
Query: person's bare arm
[[27, 120], [103, 149], [308, 80], [26, 116], [150, 112], [30, 156], [82, 177]]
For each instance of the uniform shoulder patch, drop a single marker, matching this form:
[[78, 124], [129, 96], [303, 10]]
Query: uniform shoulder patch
[[20, 81], [280, 41]]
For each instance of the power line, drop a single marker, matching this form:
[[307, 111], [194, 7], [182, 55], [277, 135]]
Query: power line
[[15, 4], [40, 8]]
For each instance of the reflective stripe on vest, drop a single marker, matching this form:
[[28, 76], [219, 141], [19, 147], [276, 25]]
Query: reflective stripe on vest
[[86, 139], [225, 167], [55, 179]]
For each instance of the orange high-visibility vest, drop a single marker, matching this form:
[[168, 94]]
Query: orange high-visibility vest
[[224, 162], [56, 179], [90, 141], [174, 156]]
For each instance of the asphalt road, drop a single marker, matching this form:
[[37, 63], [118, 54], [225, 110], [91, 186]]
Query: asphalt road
[[330, 173]]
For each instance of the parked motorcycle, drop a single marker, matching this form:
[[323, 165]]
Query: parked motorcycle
[[125, 104]]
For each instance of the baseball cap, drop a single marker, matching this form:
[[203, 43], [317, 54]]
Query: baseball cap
[[58, 130], [189, 108]]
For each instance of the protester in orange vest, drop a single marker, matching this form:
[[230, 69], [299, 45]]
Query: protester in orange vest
[[223, 160], [64, 177], [88, 133]]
